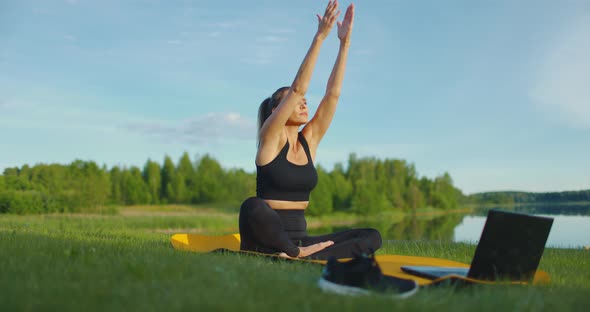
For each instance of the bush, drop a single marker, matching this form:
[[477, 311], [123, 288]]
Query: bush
[[22, 202]]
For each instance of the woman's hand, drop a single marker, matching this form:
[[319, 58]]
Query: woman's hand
[[327, 21], [345, 27], [309, 250]]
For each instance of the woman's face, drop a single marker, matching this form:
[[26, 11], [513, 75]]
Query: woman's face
[[300, 113]]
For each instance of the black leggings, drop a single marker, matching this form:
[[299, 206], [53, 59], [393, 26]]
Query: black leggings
[[265, 230]]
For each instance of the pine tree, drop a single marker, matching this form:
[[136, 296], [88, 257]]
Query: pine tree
[[185, 184], [211, 178], [168, 173], [116, 176], [135, 190], [342, 188], [153, 179]]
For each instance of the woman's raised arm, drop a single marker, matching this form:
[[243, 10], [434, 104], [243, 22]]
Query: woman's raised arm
[[316, 128], [273, 126]]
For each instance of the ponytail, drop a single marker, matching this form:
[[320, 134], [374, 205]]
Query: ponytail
[[267, 106], [264, 112]]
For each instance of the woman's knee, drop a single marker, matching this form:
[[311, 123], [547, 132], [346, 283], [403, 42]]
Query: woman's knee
[[374, 239], [251, 205], [256, 210]]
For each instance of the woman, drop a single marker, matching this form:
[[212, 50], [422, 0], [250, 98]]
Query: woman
[[274, 221]]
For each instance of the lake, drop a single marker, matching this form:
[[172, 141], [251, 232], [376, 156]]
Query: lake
[[571, 225]]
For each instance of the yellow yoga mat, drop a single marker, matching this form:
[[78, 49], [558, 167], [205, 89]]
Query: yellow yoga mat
[[390, 264]]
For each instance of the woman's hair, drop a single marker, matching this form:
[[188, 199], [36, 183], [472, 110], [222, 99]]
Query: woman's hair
[[268, 105]]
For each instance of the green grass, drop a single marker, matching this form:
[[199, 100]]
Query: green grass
[[122, 263]]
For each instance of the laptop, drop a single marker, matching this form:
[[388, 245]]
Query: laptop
[[510, 248]]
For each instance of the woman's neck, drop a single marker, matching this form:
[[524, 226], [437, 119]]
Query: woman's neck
[[292, 133]]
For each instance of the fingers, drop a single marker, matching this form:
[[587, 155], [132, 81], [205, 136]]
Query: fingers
[[326, 244], [349, 15], [350, 10], [329, 14], [345, 26], [332, 5], [319, 246], [326, 21], [310, 250]]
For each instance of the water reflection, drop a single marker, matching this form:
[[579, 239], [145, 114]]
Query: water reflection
[[542, 209], [571, 226], [411, 227], [568, 231]]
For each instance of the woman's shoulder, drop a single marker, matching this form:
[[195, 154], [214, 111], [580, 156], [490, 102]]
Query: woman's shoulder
[[269, 152]]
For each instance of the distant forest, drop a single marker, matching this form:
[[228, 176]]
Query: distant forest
[[367, 186], [515, 198]]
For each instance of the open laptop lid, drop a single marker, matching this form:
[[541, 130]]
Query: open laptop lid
[[510, 247]]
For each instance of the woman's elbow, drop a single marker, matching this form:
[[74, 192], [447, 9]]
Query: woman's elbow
[[333, 94], [299, 89]]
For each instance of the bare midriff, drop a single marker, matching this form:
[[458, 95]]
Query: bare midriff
[[285, 204]]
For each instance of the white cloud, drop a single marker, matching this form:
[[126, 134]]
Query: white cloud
[[203, 129], [209, 128], [561, 88]]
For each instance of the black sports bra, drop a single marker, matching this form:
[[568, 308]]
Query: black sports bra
[[284, 180]]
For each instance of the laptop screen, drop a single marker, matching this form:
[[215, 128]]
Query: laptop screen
[[510, 247]]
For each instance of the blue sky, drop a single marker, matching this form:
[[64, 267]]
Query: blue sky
[[497, 93]]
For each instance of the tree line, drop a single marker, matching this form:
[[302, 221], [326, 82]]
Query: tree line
[[515, 198], [366, 186]]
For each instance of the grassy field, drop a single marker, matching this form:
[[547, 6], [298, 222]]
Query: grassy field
[[124, 261]]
